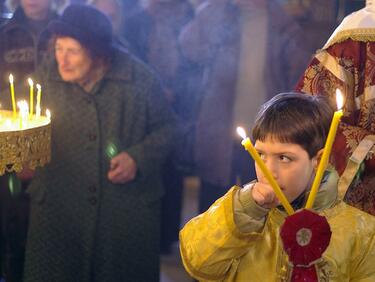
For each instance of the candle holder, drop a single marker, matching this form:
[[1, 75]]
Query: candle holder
[[29, 144]]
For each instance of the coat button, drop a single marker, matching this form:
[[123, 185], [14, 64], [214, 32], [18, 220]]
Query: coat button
[[93, 201], [92, 188]]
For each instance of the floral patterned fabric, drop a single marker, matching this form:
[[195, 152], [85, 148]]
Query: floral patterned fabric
[[350, 66]]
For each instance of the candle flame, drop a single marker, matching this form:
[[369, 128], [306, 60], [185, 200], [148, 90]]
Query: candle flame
[[38, 87], [48, 114], [241, 132], [339, 99], [11, 80], [31, 83]]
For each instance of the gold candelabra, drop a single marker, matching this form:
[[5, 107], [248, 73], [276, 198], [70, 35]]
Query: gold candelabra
[[23, 142]]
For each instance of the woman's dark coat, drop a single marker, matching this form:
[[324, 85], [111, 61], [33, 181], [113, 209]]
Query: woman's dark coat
[[83, 227]]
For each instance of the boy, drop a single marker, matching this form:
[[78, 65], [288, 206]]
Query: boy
[[237, 238]]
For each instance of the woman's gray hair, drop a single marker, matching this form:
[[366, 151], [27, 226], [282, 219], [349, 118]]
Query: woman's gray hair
[[56, 5]]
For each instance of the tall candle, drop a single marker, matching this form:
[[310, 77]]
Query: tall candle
[[327, 150], [38, 97], [23, 113], [31, 84], [11, 83], [267, 174]]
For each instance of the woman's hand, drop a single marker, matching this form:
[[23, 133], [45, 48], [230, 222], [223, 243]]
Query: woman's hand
[[122, 169], [264, 195]]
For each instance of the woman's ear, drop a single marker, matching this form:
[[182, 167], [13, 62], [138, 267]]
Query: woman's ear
[[317, 158]]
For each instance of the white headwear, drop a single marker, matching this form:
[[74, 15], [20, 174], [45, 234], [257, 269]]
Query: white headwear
[[359, 26]]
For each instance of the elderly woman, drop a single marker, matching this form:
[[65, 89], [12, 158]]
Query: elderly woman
[[95, 207]]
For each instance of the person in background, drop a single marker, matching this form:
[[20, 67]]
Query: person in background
[[152, 34], [23, 39], [95, 208], [346, 62], [23, 45], [221, 38], [153, 37], [243, 236], [113, 10]]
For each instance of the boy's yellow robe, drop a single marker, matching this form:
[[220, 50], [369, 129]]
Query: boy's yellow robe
[[214, 249]]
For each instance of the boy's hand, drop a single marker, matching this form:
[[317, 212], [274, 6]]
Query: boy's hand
[[264, 195]]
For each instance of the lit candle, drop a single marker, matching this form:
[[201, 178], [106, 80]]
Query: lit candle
[[327, 150], [23, 113], [271, 180], [31, 84], [11, 81], [38, 96]]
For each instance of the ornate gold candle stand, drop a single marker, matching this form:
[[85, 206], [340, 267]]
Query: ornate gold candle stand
[[25, 142]]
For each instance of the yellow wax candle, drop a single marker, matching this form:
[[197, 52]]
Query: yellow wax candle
[[271, 180], [31, 84], [38, 97], [326, 152], [11, 81]]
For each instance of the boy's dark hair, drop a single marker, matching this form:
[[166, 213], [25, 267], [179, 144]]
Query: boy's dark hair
[[295, 118]]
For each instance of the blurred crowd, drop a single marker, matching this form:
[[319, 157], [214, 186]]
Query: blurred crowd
[[217, 61]]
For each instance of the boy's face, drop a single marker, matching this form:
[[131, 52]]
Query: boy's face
[[289, 164]]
